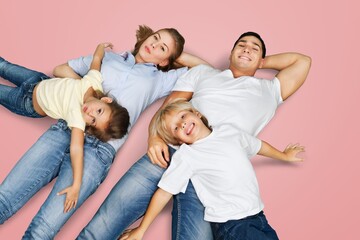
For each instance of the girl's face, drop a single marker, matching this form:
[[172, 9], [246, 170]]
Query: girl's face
[[156, 49], [97, 112], [186, 126]]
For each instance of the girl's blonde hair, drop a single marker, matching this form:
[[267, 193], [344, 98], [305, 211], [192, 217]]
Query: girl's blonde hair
[[159, 126]]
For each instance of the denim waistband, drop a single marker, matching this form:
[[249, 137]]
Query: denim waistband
[[89, 139]]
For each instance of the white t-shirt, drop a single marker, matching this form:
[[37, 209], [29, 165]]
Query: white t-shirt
[[62, 98], [248, 103], [244, 105], [221, 173]]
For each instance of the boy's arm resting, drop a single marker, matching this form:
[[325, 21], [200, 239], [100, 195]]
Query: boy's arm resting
[[76, 156], [293, 69], [189, 60], [288, 155], [64, 70], [157, 149], [157, 203]]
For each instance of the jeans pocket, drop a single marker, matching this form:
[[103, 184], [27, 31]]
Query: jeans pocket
[[104, 155]]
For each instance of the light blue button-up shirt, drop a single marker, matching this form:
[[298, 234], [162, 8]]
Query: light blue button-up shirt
[[135, 86]]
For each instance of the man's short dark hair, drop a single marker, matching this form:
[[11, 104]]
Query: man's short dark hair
[[253, 34]]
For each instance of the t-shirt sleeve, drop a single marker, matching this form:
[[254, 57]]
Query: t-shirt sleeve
[[81, 65], [250, 143], [177, 176], [188, 81], [274, 88], [169, 79], [95, 79], [74, 119]]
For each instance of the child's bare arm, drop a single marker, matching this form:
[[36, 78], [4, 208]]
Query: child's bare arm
[[99, 55], [289, 154], [157, 203], [77, 160]]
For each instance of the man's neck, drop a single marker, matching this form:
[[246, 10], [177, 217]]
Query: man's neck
[[241, 72]]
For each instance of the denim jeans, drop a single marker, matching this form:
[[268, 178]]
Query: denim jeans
[[48, 158], [251, 228], [19, 99], [129, 199]]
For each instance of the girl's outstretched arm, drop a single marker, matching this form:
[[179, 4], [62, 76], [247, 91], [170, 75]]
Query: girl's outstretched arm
[[99, 55], [77, 162]]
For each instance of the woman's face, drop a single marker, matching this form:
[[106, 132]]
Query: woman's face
[[156, 49]]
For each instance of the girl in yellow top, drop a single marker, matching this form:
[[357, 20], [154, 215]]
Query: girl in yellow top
[[80, 103]]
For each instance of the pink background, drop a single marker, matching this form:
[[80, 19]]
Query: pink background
[[317, 199]]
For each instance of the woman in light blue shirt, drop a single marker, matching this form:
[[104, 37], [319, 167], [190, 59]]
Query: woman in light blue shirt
[[136, 79]]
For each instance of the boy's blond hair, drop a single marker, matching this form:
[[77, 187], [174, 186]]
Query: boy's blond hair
[[159, 126]]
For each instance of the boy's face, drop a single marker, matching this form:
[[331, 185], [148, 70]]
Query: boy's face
[[186, 126], [97, 112]]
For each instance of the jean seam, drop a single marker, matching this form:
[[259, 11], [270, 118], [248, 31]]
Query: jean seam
[[5, 203], [178, 218], [48, 226]]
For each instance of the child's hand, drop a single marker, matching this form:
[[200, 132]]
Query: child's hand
[[132, 234], [292, 150], [72, 195], [106, 45]]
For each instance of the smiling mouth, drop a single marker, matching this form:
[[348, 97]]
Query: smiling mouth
[[245, 58], [85, 108], [147, 49], [190, 128]]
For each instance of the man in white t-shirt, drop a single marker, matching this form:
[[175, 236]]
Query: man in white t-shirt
[[251, 104]]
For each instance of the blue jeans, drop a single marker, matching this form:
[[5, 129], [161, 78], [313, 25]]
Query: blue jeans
[[19, 99], [251, 228], [48, 158], [129, 199]]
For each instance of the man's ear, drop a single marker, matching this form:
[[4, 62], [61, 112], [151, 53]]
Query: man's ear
[[106, 99]]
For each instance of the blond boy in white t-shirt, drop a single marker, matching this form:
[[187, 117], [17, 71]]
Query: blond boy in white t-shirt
[[216, 160]]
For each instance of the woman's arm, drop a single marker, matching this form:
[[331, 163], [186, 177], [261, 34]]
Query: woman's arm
[[157, 203], [289, 154], [189, 60], [77, 161], [293, 69]]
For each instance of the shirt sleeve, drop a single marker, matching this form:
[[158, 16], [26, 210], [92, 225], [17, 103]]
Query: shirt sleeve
[[250, 143], [177, 176], [188, 81], [274, 87], [95, 79], [169, 79], [81, 65], [74, 119]]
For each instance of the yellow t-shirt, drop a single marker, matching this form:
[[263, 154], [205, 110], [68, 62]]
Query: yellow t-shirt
[[62, 98]]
